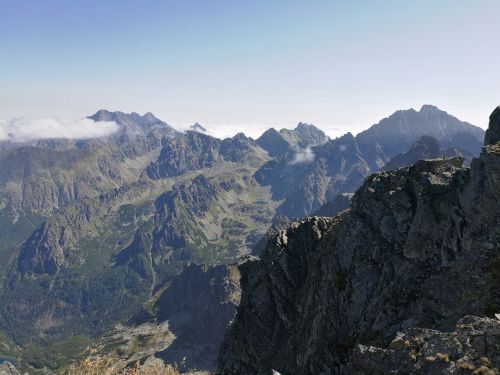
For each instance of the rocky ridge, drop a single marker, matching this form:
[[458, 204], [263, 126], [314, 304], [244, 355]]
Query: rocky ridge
[[418, 248]]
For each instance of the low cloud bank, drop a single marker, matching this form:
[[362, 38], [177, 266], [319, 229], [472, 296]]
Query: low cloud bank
[[29, 129], [305, 155]]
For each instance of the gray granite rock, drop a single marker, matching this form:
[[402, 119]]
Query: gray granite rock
[[419, 248], [473, 348], [7, 368]]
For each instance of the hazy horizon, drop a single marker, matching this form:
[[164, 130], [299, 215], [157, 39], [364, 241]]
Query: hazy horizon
[[28, 129], [248, 66]]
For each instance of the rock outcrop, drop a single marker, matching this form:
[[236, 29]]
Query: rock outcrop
[[473, 348], [340, 203], [418, 248], [43, 252], [7, 368], [493, 133]]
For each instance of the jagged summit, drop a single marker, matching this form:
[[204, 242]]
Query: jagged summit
[[429, 108], [118, 116], [273, 142], [493, 132], [198, 128], [133, 123]]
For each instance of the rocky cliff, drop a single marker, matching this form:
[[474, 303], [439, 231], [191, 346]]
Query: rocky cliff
[[6, 368], [418, 248]]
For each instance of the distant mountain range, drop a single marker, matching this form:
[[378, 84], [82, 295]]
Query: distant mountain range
[[92, 230]]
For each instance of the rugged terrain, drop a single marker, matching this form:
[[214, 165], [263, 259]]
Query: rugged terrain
[[93, 231], [418, 248]]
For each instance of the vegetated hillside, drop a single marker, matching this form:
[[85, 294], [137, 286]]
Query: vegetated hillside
[[92, 229], [418, 248]]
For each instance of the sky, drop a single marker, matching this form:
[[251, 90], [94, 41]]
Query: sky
[[239, 65]]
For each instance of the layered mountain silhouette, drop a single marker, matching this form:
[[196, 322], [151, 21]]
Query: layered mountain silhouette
[[93, 229]]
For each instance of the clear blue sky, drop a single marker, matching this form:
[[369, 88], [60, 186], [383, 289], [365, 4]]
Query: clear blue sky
[[250, 64]]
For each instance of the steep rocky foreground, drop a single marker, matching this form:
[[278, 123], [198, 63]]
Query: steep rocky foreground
[[473, 348], [419, 248]]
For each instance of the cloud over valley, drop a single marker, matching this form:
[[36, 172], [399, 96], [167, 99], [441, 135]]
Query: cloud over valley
[[27, 129]]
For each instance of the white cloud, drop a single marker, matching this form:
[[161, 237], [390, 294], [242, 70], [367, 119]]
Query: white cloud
[[29, 129], [305, 155]]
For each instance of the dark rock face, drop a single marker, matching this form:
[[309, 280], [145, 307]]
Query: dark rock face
[[279, 223], [338, 204], [287, 142], [337, 166], [198, 128], [273, 142], [425, 148], [419, 248], [195, 150], [185, 153], [304, 135], [43, 252], [474, 348], [199, 305], [237, 149], [493, 132]]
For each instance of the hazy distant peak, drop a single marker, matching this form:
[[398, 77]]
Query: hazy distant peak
[[133, 124], [302, 125], [103, 115], [347, 137], [273, 142], [398, 132], [149, 116], [426, 147], [314, 134], [428, 108], [198, 128], [240, 135]]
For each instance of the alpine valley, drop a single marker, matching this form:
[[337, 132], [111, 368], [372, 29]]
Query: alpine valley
[[291, 252]]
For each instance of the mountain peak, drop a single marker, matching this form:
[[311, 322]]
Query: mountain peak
[[493, 132], [198, 128], [273, 142], [103, 115], [428, 108], [150, 117]]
